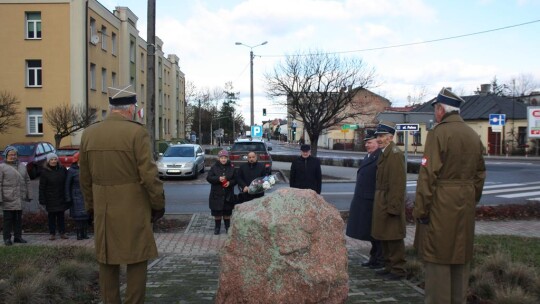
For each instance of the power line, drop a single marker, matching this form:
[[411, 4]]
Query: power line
[[416, 43]]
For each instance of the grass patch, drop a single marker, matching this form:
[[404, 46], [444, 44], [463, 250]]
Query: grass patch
[[48, 274]]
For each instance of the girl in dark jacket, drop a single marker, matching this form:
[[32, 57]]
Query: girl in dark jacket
[[222, 179], [74, 198], [52, 195]]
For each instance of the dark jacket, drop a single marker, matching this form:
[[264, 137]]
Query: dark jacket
[[52, 184], [221, 198], [74, 195], [306, 174], [360, 215], [246, 174]]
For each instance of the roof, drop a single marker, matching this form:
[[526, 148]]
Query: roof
[[478, 107]]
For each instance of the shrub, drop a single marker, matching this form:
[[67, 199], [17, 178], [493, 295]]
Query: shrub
[[77, 274], [513, 295]]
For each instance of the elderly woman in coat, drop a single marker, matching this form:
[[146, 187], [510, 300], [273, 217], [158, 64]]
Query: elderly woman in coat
[[14, 189], [74, 198], [222, 179], [52, 183]]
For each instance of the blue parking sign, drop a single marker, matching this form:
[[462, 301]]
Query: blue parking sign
[[256, 131]]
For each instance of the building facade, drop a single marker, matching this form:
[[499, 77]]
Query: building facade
[[61, 52]]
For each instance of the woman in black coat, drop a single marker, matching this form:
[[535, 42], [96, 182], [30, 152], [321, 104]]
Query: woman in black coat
[[52, 195], [74, 198], [222, 179], [360, 214]]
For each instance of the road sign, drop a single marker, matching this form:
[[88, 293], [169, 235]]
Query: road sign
[[496, 129], [256, 131], [497, 119], [349, 126], [407, 127]]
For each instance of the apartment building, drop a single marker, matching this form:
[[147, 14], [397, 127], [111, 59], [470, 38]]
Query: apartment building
[[58, 52]]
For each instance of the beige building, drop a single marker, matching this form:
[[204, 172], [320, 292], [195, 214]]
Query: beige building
[[59, 52]]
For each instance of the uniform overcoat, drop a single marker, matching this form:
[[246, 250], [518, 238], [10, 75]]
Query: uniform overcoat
[[389, 204], [449, 186], [360, 214], [119, 181]]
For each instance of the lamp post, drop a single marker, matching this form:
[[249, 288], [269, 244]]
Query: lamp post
[[251, 75]]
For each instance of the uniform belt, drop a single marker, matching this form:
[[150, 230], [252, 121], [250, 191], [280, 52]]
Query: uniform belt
[[110, 182], [455, 182]]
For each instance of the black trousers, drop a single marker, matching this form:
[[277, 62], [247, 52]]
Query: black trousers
[[375, 254], [12, 221], [56, 218]]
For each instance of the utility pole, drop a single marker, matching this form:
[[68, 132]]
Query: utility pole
[[200, 135], [151, 73]]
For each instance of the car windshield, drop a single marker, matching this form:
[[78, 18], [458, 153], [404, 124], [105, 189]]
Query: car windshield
[[179, 152], [25, 150], [66, 152], [248, 146]]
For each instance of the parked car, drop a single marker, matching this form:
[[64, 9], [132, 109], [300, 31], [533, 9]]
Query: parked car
[[65, 155], [181, 160], [239, 150], [33, 155]]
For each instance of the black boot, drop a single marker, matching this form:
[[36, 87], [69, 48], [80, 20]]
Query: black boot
[[217, 228], [79, 234], [227, 225]]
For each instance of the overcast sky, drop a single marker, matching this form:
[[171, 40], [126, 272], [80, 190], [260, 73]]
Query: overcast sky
[[202, 33]]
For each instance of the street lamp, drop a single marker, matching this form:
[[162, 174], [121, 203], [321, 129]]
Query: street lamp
[[251, 75]]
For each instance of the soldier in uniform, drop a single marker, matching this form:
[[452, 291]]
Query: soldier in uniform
[[449, 186], [389, 205], [361, 211], [120, 185]]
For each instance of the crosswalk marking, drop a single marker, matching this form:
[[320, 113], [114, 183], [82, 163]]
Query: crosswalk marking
[[534, 199], [510, 190], [519, 194]]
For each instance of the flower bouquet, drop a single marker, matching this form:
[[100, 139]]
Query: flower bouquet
[[261, 184]]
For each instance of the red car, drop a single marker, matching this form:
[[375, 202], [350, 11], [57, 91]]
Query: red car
[[65, 155]]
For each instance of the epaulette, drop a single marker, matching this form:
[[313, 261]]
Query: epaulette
[[133, 121], [396, 150]]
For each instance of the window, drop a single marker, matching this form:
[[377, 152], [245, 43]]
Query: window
[[142, 61], [417, 138], [400, 138], [113, 79], [33, 25], [92, 28], [92, 76], [522, 136], [132, 81], [103, 38], [113, 43], [33, 73], [34, 121], [132, 51], [104, 80]]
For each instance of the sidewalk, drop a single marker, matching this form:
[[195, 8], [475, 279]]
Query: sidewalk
[[187, 269]]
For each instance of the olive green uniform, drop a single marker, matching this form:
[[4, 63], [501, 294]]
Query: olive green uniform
[[120, 185], [449, 186]]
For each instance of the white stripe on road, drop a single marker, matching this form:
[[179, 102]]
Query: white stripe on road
[[510, 190], [337, 193], [519, 194], [534, 199]]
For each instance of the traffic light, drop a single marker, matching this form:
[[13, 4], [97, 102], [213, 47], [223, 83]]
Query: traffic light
[[264, 111]]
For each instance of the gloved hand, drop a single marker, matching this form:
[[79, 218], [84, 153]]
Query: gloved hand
[[157, 214]]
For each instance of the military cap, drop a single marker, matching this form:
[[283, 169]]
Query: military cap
[[122, 96], [370, 134], [386, 128], [305, 148], [447, 97]]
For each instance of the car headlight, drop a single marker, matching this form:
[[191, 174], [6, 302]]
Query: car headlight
[[160, 164], [189, 164]]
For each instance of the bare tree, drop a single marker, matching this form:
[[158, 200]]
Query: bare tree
[[9, 112], [523, 84], [319, 89], [67, 119], [417, 97]]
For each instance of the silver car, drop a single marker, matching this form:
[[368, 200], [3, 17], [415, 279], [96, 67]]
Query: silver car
[[181, 160]]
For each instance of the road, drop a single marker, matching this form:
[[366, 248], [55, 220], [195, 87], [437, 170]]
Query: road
[[512, 180]]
